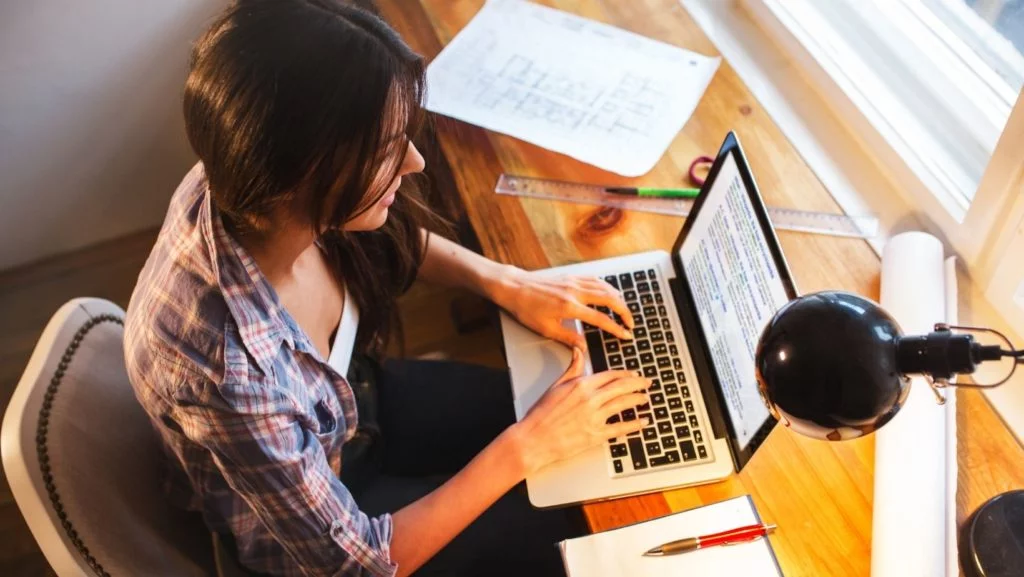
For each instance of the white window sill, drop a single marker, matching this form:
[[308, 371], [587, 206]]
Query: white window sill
[[860, 182]]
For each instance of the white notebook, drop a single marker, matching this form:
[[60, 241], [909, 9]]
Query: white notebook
[[619, 552]]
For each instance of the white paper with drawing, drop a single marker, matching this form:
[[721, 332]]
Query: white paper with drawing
[[597, 93]]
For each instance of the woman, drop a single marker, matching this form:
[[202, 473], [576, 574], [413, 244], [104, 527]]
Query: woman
[[293, 231]]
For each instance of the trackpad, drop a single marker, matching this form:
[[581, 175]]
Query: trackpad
[[537, 367]]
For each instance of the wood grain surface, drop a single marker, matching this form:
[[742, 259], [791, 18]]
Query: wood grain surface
[[820, 494]]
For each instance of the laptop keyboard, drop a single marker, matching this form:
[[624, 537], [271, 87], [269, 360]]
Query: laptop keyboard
[[675, 436]]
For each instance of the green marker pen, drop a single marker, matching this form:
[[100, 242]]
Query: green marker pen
[[655, 192]]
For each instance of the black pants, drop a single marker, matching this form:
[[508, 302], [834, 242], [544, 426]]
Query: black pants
[[434, 417]]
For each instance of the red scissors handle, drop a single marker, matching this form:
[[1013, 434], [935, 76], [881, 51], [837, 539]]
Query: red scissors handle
[[698, 163]]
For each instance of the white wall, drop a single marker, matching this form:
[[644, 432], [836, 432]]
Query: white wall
[[92, 142]]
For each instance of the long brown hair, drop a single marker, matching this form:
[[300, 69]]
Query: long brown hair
[[305, 102]]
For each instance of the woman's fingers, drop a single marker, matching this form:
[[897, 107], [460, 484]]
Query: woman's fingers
[[619, 388], [601, 293], [556, 331], [621, 429], [575, 369], [601, 321], [621, 403]]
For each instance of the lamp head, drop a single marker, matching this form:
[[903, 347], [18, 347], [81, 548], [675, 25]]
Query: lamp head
[[827, 366]]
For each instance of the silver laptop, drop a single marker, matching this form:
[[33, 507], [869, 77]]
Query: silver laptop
[[698, 314]]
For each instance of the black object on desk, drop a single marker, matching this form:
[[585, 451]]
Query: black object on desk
[[992, 540]]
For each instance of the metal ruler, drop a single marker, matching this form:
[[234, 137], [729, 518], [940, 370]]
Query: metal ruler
[[782, 218]]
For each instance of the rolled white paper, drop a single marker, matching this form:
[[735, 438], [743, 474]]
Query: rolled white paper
[[912, 507]]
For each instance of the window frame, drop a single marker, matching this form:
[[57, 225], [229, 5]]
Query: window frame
[[920, 187]]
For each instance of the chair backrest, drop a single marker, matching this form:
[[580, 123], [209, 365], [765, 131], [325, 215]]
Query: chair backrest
[[84, 462]]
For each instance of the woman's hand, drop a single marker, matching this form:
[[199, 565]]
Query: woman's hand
[[572, 416], [542, 304]]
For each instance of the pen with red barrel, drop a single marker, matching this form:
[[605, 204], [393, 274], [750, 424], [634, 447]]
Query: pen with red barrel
[[730, 537]]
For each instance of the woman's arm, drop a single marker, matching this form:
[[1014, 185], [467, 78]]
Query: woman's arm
[[539, 302], [449, 264]]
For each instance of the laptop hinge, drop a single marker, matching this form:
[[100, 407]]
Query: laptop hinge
[[700, 357]]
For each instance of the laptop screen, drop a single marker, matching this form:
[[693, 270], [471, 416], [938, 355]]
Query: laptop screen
[[736, 287]]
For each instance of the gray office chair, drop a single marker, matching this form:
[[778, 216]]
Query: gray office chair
[[84, 462]]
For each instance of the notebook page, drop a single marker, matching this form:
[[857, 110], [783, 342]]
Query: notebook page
[[620, 552]]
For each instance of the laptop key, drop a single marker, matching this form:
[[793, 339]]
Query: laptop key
[[662, 311], [619, 450], [636, 453], [673, 350], [681, 376], [655, 286], [597, 358], [702, 452], [675, 403], [664, 362], [653, 448], [686, 392], [660, 413], [645, 407], [638, 320], [653, 323], [689, 452], [650, 372], [683, 432], [658, 299], [613, 419], [672, 456], [671, 389], [611, 346], [629, 350], [657, 336], [632, 364], [650, 311], [679, 418], [640, 275], [643, 345], [633, 307], [617, 464], [629, 296], [650, 433], [655, 385], [646, 299], [660, 349], [677, 364], [640, 332], [625, 281], [693, 421], [643, 287], [613, 360], [647, 358], [668, 376], [628, 415], [670, 337], [698, 436], [657, 398], [664, 427], [612, 280], [668, 442], [660, 461], [688, 405]]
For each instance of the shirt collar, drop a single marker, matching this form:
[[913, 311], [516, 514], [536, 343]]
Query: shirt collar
[[263, 324]]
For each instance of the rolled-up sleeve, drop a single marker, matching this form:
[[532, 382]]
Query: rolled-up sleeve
[[281, 471]]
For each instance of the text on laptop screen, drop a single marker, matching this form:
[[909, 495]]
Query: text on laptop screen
[[736, 288]]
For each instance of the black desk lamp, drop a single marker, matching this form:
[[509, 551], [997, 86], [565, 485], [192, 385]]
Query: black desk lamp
[[834, 365]]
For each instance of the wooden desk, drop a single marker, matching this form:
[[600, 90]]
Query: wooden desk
[[819, 493]]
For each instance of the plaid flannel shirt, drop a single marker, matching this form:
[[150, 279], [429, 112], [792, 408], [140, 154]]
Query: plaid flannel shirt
[[252, 418]]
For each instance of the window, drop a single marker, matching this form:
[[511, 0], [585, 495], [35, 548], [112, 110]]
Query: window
[[932, 88]]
